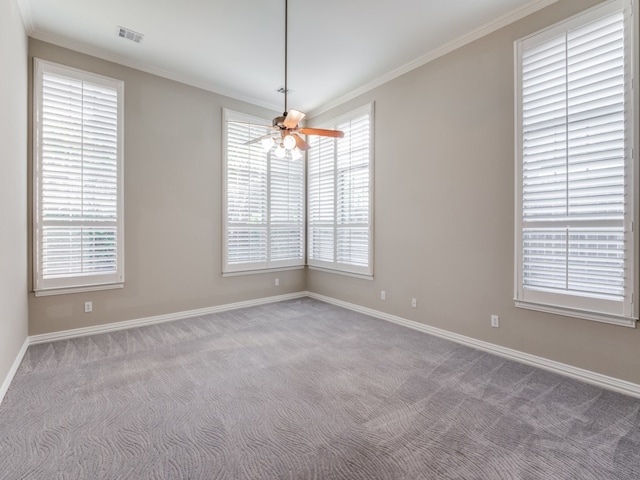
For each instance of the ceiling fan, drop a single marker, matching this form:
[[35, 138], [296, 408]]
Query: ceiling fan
[[286, 128]]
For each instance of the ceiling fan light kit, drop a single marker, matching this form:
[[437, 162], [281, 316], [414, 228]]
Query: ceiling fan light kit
[[285, 136]]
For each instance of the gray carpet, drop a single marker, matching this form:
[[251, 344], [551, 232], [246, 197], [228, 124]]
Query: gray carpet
[[303, 390]]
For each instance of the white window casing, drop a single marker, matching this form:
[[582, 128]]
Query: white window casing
[[576, 175], [264, 201], [340, 196], [78, 180]]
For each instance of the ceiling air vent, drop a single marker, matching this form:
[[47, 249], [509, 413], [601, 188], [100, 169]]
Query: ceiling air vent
[[130, 35]]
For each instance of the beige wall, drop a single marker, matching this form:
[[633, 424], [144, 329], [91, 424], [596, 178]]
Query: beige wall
[[444, 195], [13, 185], [173, 205], [444, 218]]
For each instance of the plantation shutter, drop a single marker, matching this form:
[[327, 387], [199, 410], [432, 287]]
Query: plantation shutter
[[78, 182], [321, 199], [247, 195], [353, 185], [264, 201], [340, 193], [287, 209], [575, 191]]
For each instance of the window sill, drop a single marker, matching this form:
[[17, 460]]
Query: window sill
[[262, 270], [68, 290], [363, 276], [585, 315], [239, 273]]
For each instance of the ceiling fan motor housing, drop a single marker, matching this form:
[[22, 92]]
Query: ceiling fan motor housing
[[279, 122]]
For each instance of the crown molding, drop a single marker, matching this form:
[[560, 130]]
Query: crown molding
[[144, 67], [500, 22], [459, 42], [27, 18]]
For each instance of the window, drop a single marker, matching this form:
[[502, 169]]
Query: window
[[576, 184], [78, 235], [264, 201], [340, 185]]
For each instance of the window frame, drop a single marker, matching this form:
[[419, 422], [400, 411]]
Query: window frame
[[77, 282], [586, 307], [230, 116], [335, 266]]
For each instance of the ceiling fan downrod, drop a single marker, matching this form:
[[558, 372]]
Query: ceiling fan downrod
[[287, 127], [286, 44]]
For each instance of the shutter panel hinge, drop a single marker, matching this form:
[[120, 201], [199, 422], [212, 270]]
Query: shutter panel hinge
[[631, 227]]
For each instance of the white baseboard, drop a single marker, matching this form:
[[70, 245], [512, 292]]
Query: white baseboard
[[604, 381], [113, 327], [169, 317], [597, 379], [14, 368]]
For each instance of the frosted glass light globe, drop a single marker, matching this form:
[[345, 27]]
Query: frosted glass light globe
[[289, 142], [280, 151]]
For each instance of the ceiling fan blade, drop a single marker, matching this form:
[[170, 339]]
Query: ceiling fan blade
[[259, 139], [322, 132], [300, 143], [293, 118]]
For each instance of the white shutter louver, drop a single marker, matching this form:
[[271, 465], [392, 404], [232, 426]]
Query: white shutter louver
[[574, 154], [339, 183], [78, 225]]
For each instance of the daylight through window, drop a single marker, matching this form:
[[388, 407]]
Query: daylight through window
[[340, 185], [575, 239], [78, 181], [264, 200]]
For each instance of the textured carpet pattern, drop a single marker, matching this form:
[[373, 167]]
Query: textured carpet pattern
[[303, 390]]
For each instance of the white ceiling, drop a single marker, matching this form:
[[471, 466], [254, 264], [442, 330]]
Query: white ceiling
[[236, 47]]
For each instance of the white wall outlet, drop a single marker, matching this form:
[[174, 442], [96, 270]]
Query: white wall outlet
[[495, 321], [88, 307], [383, 295], [276, 282], [414, 303]]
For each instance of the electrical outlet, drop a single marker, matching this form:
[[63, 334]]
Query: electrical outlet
[[276, 282], [88, 307], [495, 321], [414, 303], [383, 295]]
